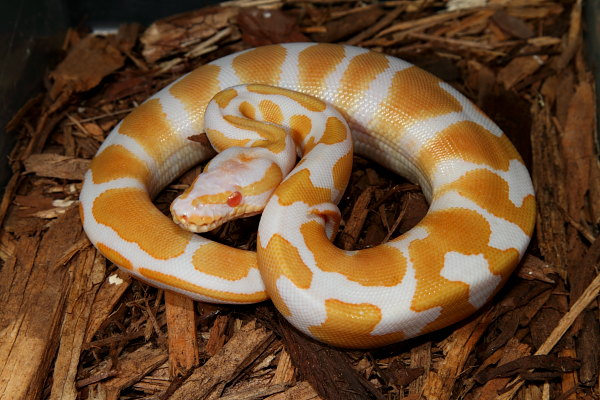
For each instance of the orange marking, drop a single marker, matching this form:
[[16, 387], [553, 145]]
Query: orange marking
[[301, 126], [316, 63], [309, 102], [271, 112], [361, 72], [224, 97], [335, 131], [248, 110], [269, 181], [117, 162], [309, 146], [350, 326], [217, 198], [274, 135], [282, 258], [365, 267], [220, 141], [252, 66], [148, 125], [427, 99], [490, 192], [471, 142], [227, 297], [131, 214], [286, 257], [210, 259], [428, 254], [299, 187], [342, 170], [329, 217], [195, 91], [114, 256]]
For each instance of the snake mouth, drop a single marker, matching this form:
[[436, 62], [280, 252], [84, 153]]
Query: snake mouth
[[203, 224]]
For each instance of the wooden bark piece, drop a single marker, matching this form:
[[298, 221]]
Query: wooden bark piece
[[577, 147], [33, 295], [444, 373], [328, 370], [86, 64], [56, 166], [132, 368], [302, 391], [262, 27], [89, 268], [107, 297], [208, 381], [181, 322], [180, 32]]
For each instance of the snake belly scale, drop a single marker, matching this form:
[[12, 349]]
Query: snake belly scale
[[479, 224]]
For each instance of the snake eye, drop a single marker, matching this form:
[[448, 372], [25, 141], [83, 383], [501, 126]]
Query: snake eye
[[234, 199]]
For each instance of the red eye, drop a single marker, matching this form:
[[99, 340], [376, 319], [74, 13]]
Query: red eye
[[234, 199]]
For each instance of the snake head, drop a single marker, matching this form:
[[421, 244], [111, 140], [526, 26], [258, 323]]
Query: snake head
[[229, 188]]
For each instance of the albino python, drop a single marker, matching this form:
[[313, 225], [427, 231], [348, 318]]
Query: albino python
[[480, 220]]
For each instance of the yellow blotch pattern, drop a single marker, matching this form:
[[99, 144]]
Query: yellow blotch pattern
[[209, 259], [117, 162], [271, 112], [252, 66], [195, 91], [361, 72], [491, 192], [114, 256], [427, 256], [471, 142], [301, 126], [282, 255], [299, 187], [315, 63], [247, 110], [414, 95], [217, 198], [124, 210], [220, 141], [270, 180], [350, 326], [148, 125], [335, 131], [342, 170], [274, 135], [224, 97], [309, 102], [226, 297], [381, 266]]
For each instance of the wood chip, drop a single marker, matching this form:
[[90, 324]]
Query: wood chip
[[86, 64], [242, 350], [56, 166]]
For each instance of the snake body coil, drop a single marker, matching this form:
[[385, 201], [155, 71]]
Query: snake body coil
[[480, 220]]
